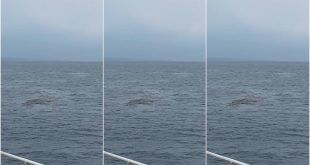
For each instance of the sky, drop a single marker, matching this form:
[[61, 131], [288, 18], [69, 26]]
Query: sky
[[268, 30], [61, 30], [168, 30], [172, 30]]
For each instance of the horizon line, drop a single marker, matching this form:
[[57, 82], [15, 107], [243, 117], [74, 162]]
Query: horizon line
[[107, 59], [102, 61]]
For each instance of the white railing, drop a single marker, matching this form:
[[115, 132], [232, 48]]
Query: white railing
[[231, 161], [128, 161], [25, 161]]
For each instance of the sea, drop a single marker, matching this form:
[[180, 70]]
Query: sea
[[51, 112], [154, 112], [258, 112]]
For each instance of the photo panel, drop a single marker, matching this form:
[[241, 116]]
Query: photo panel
[[154, 92], [258, 82], [51, 85]]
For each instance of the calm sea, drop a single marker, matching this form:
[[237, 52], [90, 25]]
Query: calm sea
[[258, 112], [52, 112], [154, 112]]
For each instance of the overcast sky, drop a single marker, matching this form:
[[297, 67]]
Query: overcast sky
[[52, 29], [275, 30], [155, 30]]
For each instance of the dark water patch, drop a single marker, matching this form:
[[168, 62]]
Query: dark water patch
[[246, 100], [41, 100], [141, 101]]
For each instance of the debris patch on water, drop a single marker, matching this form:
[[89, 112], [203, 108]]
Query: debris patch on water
[[40, 100]]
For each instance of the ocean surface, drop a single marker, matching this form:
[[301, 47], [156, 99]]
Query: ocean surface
[[257, 112], [52, 112], [155, 112]]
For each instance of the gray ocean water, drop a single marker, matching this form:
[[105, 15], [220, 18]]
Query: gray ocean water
[[52, 112], [154, 112], [258, 112]]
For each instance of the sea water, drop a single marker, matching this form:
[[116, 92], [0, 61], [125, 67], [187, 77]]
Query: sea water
[[52, 112]]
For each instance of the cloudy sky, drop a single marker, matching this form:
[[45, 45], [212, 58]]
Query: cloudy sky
[[155, 30], [274, 30], [52, 29]]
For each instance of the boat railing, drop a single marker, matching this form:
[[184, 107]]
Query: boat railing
[[25, 161], [128, 161], [229, 160]]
